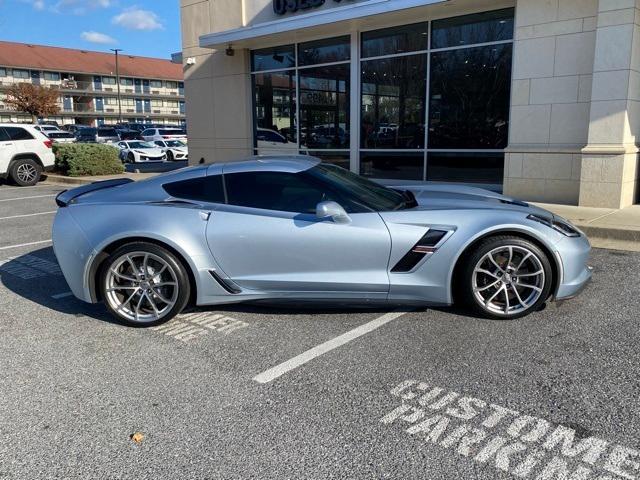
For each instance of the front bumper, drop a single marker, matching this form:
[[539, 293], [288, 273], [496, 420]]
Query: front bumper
[[573, 255]]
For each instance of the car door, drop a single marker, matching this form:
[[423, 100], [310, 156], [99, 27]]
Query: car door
[[268, 238], [7, 150]]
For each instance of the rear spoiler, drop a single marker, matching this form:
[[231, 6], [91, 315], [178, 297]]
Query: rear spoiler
[[68, 196]]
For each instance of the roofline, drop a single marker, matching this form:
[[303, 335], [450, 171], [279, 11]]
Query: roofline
[[314, 19]]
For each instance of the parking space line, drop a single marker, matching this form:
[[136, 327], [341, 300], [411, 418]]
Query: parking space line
[[27, 198], [27, 215], [61, 295], [295, 362], [8, 247]]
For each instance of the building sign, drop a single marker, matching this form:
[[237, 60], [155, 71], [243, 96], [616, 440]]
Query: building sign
[[282, 7]]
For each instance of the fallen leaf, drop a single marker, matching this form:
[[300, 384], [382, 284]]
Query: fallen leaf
[[137, 437]]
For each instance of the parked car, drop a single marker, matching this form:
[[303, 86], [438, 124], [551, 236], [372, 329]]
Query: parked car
[[129, 134], [62, 137], [175, 149], [97, 135], [137, 151], [25, 153], [270, 142], [166, 133], [301, 230], [73, 127], [46, 129]]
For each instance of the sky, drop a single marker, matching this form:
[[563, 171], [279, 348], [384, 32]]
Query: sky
[[148, 28]]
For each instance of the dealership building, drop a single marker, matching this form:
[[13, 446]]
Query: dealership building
[[539, 99]]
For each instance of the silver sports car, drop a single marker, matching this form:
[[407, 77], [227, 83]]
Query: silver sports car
[[292, 228]]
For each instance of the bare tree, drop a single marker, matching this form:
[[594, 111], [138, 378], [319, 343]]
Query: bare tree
[[36, 100]]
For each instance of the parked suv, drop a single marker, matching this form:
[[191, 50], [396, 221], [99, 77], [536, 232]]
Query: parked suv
[[24, 153], [97, 135], [167, 133]]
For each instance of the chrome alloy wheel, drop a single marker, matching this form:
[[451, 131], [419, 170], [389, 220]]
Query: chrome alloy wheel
[[141, 286], [26, 172], [508, 280]]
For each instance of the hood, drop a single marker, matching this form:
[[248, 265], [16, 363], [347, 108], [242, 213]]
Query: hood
[[151, 152], [459, 197]]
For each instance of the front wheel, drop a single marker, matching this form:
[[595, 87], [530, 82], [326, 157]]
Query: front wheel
[[170, 156], [506, 278], [143, 284], [25, 172], [131, 158]]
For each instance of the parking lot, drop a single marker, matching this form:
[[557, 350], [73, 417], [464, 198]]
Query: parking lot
[[272, 392]]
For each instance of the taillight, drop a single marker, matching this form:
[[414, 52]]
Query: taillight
[[48, 143]]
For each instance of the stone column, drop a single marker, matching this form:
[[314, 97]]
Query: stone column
[[609, 175], [217, 86], [551, 93]]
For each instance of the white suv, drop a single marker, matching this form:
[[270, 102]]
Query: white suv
[[168, 133], [24, 153]]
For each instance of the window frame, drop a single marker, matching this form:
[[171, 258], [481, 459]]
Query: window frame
[[354, 109]]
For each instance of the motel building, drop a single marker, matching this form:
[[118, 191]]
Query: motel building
[[538, 99]]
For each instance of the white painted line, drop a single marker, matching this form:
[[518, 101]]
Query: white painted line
[[27, 215], [295, 362], [26, 198], [8, 247], [62, 295]]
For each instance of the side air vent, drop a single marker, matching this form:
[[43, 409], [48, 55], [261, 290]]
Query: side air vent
[[226, 284], [426, 246]]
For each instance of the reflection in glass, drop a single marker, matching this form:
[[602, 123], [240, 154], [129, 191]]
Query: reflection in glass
[[324, 107], [273, 58], [393, 102], [392, 165], [337, 158], [324, 51], [469, 105], [389, 41], [469, 29], [479, 168], [275, 112]]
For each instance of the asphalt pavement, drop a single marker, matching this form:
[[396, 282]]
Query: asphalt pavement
[[271, 392]]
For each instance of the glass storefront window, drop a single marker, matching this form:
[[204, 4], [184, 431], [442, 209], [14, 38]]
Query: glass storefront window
[[324, 51], [324, 107], [392, 165], [273, 58], [483, 168], [407, 38], [275, 112], [485, 27], [393, 102], [469, 98]]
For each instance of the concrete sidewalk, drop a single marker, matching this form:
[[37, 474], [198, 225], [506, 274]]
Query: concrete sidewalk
[[605, 227]]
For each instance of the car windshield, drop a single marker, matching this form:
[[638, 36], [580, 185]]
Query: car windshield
[[174, 143], [373, 195], [141, 145]]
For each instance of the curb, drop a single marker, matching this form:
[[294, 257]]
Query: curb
[[612, 238], [62, 180]]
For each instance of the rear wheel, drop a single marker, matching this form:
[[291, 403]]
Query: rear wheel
[[25, 172], [506, 278], [144, 284]]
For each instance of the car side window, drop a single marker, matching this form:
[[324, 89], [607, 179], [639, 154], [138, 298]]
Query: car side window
[[285, 192], [202, 189], [159, 143], [17, 133], [147, 133], [4, 137]]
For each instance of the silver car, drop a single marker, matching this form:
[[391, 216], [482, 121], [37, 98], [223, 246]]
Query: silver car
[[295, 229]]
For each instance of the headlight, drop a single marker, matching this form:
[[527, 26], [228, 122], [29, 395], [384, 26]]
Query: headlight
[[558, 225]]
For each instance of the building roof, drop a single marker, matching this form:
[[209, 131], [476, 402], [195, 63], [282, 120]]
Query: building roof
[[22, 55]]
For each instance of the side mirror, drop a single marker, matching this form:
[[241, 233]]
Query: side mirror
[[333, 211]]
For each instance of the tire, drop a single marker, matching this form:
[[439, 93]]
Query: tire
[[25, 172], [516, 283], [131, 158], [130, 295], [170, 156]]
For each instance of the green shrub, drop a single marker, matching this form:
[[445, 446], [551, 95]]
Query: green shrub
[[78, 159]]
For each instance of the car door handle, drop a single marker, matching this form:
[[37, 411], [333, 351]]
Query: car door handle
[[5, 144]]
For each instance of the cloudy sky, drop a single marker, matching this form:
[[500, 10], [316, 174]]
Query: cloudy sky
[[144, 27]]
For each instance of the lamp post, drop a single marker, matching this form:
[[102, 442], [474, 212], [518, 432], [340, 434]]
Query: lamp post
[[116, 51]]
